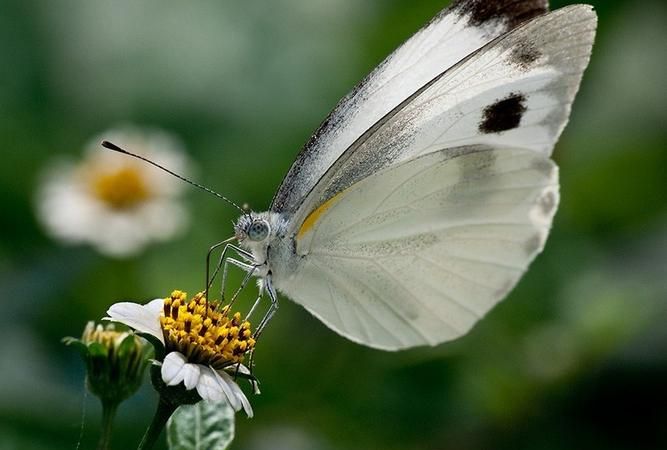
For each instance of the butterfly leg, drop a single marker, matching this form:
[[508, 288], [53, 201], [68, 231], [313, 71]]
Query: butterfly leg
[[225, 261], [222, 264], [209, 278], [253, 381], [272, 308], [260, 294], [250, 270]]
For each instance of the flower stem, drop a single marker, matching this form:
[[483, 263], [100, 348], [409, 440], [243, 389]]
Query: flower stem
[[109, 409], [164, 411]]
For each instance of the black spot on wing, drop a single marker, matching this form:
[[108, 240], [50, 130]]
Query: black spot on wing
[[503, 115], [524, 54], [511, 12]]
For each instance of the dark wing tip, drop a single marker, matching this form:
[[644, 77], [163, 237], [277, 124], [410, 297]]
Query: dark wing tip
[[511, 12]]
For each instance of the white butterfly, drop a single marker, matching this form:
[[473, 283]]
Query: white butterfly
[[424, 196]]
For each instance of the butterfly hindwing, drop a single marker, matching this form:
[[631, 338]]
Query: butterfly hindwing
[[416, 253]]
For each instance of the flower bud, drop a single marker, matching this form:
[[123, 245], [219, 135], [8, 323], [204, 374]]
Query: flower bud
[[115, 361]]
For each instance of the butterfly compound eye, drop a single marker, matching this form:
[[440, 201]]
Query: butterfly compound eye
[[258, 230]]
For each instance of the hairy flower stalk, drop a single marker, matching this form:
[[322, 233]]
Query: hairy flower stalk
[[200, 347]]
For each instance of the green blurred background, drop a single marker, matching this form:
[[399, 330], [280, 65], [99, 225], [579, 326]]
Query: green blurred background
[[575, 357]]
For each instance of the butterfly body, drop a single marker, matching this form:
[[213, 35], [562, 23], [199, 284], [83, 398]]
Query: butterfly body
[[424, 196]]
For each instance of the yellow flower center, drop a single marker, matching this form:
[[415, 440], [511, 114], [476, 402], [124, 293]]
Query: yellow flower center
[[202, 333], [123, 188]]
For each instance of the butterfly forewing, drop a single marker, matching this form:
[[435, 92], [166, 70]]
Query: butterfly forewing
[[449, 37], [516, 92]]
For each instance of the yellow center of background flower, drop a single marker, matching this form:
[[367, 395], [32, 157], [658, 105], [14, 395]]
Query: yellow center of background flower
[[121, 189], [202, 333]]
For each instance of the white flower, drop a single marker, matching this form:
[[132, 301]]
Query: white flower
[[114, 202], [211, 360]]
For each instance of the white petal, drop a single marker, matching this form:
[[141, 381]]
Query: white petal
[[241, 396], [208, 387], [255, 387], [231, 390], [143, 318], [152, 216], [64, 207], [155, 305], [191, 375], [247, 407], [173, 368], [119, 234]]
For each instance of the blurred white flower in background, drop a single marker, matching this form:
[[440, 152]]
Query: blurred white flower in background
[[114, 202]]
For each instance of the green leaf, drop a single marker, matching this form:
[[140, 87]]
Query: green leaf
[[202, 426]]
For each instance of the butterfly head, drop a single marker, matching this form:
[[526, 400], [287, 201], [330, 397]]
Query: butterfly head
[[253, 228]]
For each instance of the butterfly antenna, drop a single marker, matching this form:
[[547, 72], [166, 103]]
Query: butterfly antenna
[[114, 147]]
